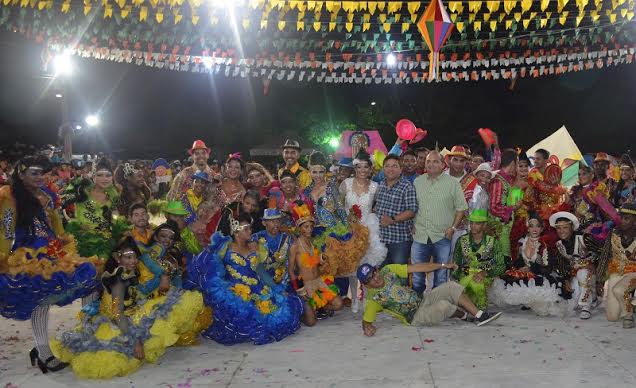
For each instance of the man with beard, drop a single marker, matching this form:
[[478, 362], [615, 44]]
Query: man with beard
[[618, 260], [183, 181], [575, 262], [291, 153], [134, 189]]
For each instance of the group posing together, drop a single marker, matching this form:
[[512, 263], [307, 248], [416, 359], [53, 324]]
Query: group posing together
[[244, 256]]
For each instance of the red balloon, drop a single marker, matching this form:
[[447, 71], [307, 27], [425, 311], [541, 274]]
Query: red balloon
[[419, 135], [405, 129]]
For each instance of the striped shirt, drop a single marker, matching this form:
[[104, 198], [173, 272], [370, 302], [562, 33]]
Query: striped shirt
[[438, 200]]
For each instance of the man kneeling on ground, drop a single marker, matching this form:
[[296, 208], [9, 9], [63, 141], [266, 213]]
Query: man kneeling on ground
[[387, 291]]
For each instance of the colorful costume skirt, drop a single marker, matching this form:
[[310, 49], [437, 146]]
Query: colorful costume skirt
[[476, 291], [91, 242], [43, 274], [319, 292], [240, 315], [97, 348], [343, 248], [535, 292]]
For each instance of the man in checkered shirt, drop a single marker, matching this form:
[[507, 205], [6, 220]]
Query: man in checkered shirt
[[395, 205]]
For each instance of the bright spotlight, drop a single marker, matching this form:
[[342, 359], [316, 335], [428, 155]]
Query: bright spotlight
[[207, 62], [391, 60], [92, 120], [334, 142], [63, 64], [372, 103], [78, 127], [58, 95]]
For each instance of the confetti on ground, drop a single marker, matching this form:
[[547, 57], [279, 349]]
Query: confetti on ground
[[259, 370], [416, 348], [428, 340]]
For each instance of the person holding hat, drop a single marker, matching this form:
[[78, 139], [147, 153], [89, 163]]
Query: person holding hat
[[291, 154], [41, 266], [195, 195], [618, 264], [478, 259], [246, 306], [531, 282], [183, 181], [277, 244], [386, 290], [317, 291], [501, 208], [575, 262]]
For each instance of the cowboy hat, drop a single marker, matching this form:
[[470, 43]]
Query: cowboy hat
[[198, 145], [568, 216]]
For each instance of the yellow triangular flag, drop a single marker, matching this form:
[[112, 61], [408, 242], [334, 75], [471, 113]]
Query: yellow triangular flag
[[386, 26], [143, 14], [563, 17], [366, 26], [517, 16], [579, 18], [509, 5], [508, 24], [65, 6], [125, 11], [195, 19], [177, 18], [348, 26], [477, 25], [493, 25], [332, 26], [459, 26], [544, 4], [108, 11], [300, 25], [486, 17], [316, 26], [87, 9], [405, 27], [525, 5], [544, 22], [612, 18], [526, 22], [281, 25], [414, 6]]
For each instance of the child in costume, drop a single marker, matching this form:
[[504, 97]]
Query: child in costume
[[92, 223], [39, 265], [194, 196], [274, 247], [247, 307], [160, 263], [531, 282], [127, 329], [478, 259], [316, 290]]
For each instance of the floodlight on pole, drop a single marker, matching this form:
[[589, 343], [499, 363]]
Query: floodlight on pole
[[92, 120], [372, 103], [62, 64], [391, 60]]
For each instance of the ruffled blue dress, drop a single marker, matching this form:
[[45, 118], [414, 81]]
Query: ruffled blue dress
[[246, 307]]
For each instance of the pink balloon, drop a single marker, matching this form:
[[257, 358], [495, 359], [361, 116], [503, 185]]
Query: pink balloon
[[419, 135], [405, 129]]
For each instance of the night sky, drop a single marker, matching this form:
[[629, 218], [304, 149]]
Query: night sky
[[150, 113]]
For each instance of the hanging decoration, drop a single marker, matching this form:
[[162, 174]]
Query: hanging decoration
[[435, 26], [347, 41]]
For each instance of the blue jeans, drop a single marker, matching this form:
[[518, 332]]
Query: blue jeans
[[421, 253], [343, 286], [398, 253]]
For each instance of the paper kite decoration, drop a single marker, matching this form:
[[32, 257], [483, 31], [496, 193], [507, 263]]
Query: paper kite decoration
[[435, 26]]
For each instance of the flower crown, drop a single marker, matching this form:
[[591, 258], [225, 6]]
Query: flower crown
[[129, 170], [301, 212]]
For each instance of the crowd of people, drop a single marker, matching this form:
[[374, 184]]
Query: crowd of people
[[244, 254]]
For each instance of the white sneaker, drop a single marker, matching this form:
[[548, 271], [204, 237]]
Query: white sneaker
[[355, 306]]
